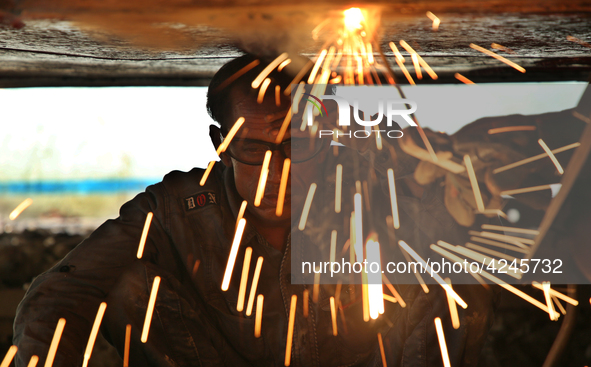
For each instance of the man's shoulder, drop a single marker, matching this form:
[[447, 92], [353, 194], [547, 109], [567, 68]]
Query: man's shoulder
[[192, 183]]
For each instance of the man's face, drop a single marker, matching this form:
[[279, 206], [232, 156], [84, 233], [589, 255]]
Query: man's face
[[262, 123]]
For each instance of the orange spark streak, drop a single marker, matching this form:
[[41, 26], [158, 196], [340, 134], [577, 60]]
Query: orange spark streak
[[436, 276], [442, 345], [263, 90], [33, 361], [258, 320], [233, 253], [227, 140], [9, 356], [405, 72], [292, 310], [499, 244], [526, 189], [206, 174], [316, 289], [375, 286], [306, 302], [253, 287], [427, 68], [284, 127], [277, 95], [244, 279], [557, 294], [533, 232], [517, 241], [496, 46], [463, 79], [582, 117], [393, 199], [241, 212], [283, 64], [393, 290], [314, 71], [267, 70], [140, 250], [338, 188], [389, 298], [307, 205], [333, 316], [551, 312], [263, 178], [414, 57], [382, 353], [474, 183], [506, 129], [365, 298], [415, 62], [283, 187], [298, 77], [498, 57], [417, 275], [498, 212], [453, 309], [577, 40], [237, 75], [490, 252], [397, 53], [535, 158], [552, 156], [19, 209], [95, 329], [358, 226], [127, 343], [57, 335], [150, 310], [435, 20], [333, 245], [557, 303], [492, 278]]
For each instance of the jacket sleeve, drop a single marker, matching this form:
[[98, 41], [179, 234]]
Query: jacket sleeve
[[74, 288]]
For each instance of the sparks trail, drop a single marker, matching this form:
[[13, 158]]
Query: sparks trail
[[150, 309], [498, 57], [20, 208]]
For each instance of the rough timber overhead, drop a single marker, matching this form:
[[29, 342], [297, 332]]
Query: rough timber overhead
[[185, 42]]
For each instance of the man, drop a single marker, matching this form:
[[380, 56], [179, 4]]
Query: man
[[195, 323]]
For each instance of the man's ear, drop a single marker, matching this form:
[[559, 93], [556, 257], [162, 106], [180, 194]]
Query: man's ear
[[215, 134]]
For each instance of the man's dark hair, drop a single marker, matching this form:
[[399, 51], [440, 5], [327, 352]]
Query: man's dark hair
[[238, 74]]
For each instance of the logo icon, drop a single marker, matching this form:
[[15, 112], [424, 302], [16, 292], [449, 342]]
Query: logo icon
[[316, 104]]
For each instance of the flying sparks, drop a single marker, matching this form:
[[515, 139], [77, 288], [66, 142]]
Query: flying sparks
[[551, 312], [507, 129], [393, 199], [338, 188], [268, 69], [306, 302], [442, 344], [33, 361], [227, 140], [150, 309], [263, 178], [127, 344], [94, 332], [292, 311], [307, 205], [436, 276], [263, 90], [474, 183], [253, 287], [233, 254], [20, 208], [283, 187], [140, 250], [206, 173], [463, 79], [55, 341], [498, 57], [535, 158], [375, 288], [258, 320], [333, 316], [435, 20], [453, 309], [9, 356], [552, 156], [244, 279], [526, 189], [382, 353]]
